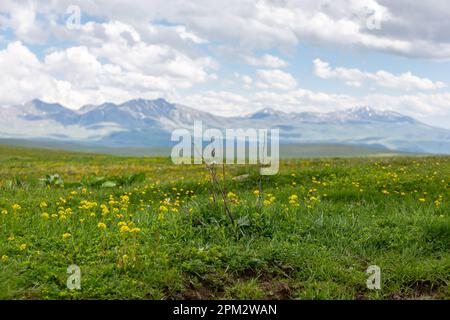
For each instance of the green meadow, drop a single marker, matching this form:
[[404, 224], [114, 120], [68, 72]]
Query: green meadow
[[143, 228]]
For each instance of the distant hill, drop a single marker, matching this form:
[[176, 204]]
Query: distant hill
[[286, 151], [148, 123]]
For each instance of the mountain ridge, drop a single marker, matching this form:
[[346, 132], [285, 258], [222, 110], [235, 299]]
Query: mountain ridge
[[141, 123]]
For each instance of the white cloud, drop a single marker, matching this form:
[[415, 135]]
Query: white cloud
[[131, 55], [421, 106], [23, 77], [186, 35], [355, 77], [113, 64], [275, 79], [21, 16], [409, 28], [300, 99], [123, 45], [266, 61], [283, 24], [246, 80], [219, 102]]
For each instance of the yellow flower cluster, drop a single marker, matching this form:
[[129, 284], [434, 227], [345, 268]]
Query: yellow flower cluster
[[66, 235], [438, 201], [105, 209], [293, 200], [269, 200], [101, 225], [87, 205], [232, 197], [127, 228], [64, 212]]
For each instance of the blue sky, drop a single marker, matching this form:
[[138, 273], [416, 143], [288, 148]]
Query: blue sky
[[231, 57]]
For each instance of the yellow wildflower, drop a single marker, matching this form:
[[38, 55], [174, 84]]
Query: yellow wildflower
[[101, 225], [105, 209], [66, 235], [124, 229], [231, 195], [293, 199]]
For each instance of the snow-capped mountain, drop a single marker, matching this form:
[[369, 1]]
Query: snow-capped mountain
[[141, 123]]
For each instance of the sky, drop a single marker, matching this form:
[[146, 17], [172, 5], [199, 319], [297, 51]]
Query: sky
[[230, 57]]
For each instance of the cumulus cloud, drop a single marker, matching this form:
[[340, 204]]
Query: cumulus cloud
[[275, 79], [223, 103], [416, 29], [246, 80], [266, 61], [402, 27], [355, 77], [113, 64], [22, 17], [421, 106], [170, 48]]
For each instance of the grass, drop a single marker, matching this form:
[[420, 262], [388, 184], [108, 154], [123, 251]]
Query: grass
[[322, 223]]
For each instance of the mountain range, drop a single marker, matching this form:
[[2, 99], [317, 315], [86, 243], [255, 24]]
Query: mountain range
[[149, 123]]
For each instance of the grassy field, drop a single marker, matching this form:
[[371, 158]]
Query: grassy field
[[142, 228]]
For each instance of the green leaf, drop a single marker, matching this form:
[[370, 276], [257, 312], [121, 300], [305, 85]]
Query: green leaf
[[243, 221], [109, 184], [137, 177]]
